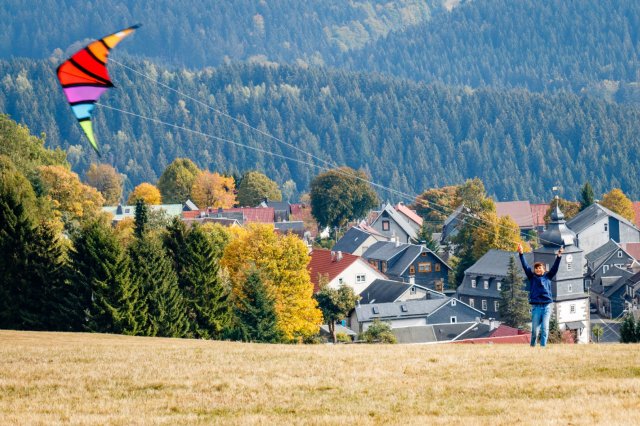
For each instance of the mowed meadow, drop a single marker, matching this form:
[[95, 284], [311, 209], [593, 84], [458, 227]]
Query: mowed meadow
[[76, 378]]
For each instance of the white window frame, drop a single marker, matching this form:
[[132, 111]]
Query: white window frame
[[496, 305], [472, 302], [619, 253], [570, 288], [453, 320], [499, 286], [413, 290], [486, 284], [572, 308], [361, 278], [484, 304], [453, 302], [473, 283]]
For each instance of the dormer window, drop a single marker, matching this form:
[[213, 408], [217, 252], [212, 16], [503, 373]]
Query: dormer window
[[486, 284], [385, 225], [499, 286], [404, 308], [413, 290], [473, 283]]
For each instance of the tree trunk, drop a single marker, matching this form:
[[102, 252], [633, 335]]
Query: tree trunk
[[332, 329]]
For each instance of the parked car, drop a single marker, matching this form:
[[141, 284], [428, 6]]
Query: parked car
[[593, 309]]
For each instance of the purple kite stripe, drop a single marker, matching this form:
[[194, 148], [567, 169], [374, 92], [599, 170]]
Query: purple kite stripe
[[84, 93]]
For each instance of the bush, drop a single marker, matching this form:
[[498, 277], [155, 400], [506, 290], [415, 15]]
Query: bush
[[628, 330], [379, 332], [343, 338]]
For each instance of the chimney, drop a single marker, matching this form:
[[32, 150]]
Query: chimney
[[338, 256], [412, 279], [492, 324]]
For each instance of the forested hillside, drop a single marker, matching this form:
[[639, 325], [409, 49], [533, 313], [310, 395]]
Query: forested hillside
[[588, 45], [208, 32], [408, 136]]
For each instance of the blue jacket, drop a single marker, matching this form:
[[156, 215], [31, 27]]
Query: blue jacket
[[540, 286]]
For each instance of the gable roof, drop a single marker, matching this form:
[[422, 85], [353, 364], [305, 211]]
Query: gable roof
[[397, 310], [351, 240], [519, 211], [385, 250], [387, 291], [495, 263], [597, 257], [591, 215], [254, 214], [410, 214], [323, 262], [537, 213], [622, 281], [408, 256], [397, 218]]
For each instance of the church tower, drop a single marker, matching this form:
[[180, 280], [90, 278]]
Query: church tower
[[571, 303]]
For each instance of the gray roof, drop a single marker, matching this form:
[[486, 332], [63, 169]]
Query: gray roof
[[448, 332], [389, 311], [598, 256], [385, 250], [479, 331], [591, 215], [276, 205], [189, 206], [383, 291], [495, 263], [417, 334], [324, 329], [618, 284], [407, 258], [351, 240], [295, 226]]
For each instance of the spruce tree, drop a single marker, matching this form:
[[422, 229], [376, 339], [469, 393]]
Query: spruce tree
[[587, 197], [141, 218], [628, 330], [514, 308], [165, 304], [255, 314]]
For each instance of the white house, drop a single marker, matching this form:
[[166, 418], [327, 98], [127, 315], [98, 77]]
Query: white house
[[336, 268]]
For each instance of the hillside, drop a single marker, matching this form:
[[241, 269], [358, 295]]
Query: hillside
[[408, 136], [590, 46], [97, 379], [209, 32]]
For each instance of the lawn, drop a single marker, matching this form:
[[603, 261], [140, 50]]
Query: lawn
[[52, 378]]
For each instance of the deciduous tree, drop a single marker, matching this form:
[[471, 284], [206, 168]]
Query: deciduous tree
[[213, 190], [147, 193], [255, 187], [616, 201], [106, 179], [335, 305], [177, 179]]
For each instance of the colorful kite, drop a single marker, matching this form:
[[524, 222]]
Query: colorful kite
[[84, 78]]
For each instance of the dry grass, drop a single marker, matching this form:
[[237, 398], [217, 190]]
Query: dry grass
[[103, 379]]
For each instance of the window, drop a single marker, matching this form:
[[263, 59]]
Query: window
[[484, 305], [486, 284], [496, 306], [498, 286], [384, 266], [569, 266], [375, 310], [424, 267], [454, 320], [572, 309], [437, 266], [453, 302], [403, 308], [361, 278], [473, 283], [570, 288], [340, 280], [413, 290], [546, 266], [423, 254], [606, 227], [385, 225], [619, 253], [127, 210], [472, 302], [605, 268], [412, 269]]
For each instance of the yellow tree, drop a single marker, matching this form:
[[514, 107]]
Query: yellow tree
[[107, 180], [70, 197], [147, 192], [616, 201], [213, 190], [496, 233], [282, 262]]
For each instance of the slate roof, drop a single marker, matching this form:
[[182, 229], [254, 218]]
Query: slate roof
[[402, 264], [519, 211], [591, 215], [294, 226], [385, 250], [189, 206], [417, 334], [322, 262], [383, 291], [389, 311], [597, 257], [276, 205], [477, 331], [622, 281], [351, 240], [397, 218], [495, 263], [120, 212]]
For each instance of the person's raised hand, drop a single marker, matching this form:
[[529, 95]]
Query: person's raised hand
[[560, 250], [520, 248]]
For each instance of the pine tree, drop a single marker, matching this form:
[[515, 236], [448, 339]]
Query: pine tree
[[141, 218], [514, 309], [425, 236], [628, 330], [165, 304], [255, 314], [587, 197]]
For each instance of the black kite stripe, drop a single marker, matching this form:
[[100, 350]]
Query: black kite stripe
[[89, 73], [94, 56]]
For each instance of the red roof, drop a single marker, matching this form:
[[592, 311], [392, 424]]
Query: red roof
[[254, 214], [636, 209], [505, 330], [521, 338], [406, 211], [520, 212], [632, 248], [538, 211], [190, 214], [296, 209], [322, 262]]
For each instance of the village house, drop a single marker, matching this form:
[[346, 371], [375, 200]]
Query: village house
[[408, 263], [120, 212], [393, 224], [596, 225], [388, 291], [335, 268], [519, 211], [357, 240]]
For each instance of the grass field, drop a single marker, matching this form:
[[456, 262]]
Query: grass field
[[53, 378]]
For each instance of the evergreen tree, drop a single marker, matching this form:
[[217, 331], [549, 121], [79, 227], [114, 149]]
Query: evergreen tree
[[255, 313], [555, 334], [165, 304], [197, 267], [514, 307], [628, 330], [141, 218], [425, 236], [587, 197], [102, 279]]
